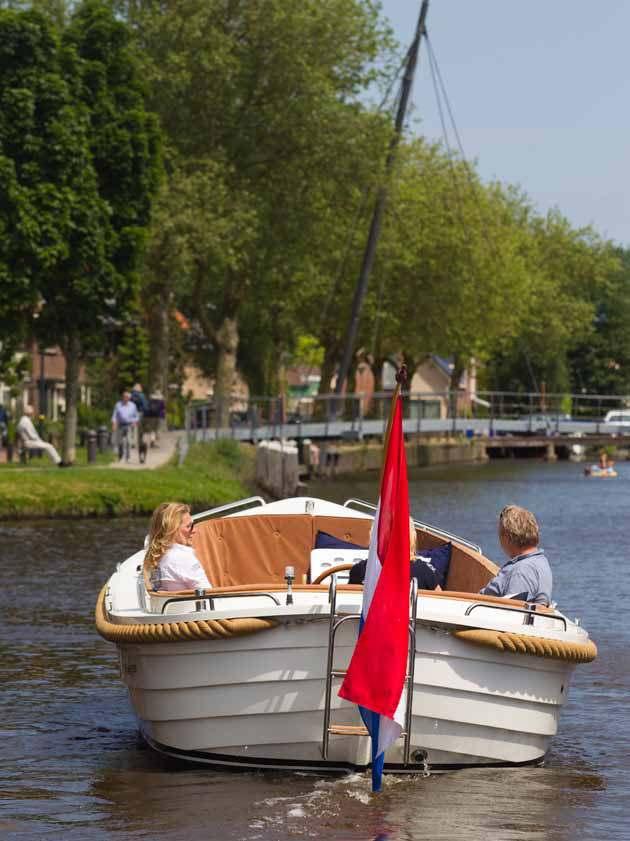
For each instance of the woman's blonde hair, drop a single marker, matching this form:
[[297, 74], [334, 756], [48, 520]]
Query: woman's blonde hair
[[413, 538], [165, 523]]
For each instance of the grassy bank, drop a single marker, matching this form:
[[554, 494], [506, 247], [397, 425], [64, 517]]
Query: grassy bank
[[212, 474]]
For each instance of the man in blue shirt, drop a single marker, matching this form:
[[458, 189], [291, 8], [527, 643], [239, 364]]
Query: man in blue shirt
[[528, 571], [124, 417]]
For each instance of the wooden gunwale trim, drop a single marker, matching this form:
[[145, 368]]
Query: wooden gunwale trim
[[351, 588]]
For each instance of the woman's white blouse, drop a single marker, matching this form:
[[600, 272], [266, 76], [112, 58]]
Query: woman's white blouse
[[179, 569]]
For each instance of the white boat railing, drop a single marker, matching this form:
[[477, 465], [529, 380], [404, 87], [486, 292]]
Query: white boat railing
[[202, 596], [360, 503], [529, 611], [231, 506]]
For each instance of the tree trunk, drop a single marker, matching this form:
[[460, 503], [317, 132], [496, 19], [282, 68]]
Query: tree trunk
[[227, 346], [159, 337], [331, 355], [456, 375], [72, 354]]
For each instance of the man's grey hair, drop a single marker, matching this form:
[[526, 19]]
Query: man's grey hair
[[519, 526]]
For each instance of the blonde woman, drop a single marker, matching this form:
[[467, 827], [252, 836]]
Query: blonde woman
[[420, 567], [170, 561]]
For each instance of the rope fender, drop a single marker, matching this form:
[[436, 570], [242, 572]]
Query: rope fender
[[196, 629], [572, 652]]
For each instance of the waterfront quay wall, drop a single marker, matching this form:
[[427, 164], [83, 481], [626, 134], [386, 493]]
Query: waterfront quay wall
[[357, 458], [282, 467]]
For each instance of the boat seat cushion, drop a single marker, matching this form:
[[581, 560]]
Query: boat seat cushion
[[254, 550], [323, 540], [439, 558], [350, 529]]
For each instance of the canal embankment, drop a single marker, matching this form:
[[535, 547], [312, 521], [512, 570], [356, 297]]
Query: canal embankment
[[210, 474], [283, 468]]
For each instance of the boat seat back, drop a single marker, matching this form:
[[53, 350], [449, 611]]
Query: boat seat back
[[350, 529], [468, 571], [256, 549]]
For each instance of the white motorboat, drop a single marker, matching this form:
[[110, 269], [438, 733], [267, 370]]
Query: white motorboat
[[246, 674]]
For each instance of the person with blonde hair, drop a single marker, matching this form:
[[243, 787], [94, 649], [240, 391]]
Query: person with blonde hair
[[420, 568], [527, 574], [170, 560]]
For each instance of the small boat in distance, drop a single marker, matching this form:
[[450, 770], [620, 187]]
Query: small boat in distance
[[246, 674], [604, 469], [595, 472]]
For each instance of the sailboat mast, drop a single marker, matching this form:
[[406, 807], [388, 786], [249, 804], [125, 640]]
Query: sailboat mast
[[381, 199]]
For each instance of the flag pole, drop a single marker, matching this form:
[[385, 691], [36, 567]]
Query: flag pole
[[375, 677], [402, 381]]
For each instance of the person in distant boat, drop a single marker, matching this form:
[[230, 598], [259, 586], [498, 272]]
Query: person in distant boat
[[527, 574], [423, 572], [170, 560], [605, 466]]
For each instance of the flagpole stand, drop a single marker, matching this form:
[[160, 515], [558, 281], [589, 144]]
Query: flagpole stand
[[289, 576], [331, 673]]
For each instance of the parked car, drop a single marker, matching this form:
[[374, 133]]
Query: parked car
[[618, 417]]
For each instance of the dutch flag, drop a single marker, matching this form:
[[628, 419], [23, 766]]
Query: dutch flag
[[376, 673]]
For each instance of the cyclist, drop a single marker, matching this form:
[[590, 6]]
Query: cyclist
[[124, 417]]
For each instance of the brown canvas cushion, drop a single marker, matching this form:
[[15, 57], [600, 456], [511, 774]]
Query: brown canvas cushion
[[250, 550], [256, 549]]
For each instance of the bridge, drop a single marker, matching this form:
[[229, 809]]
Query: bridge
[[500, 419]]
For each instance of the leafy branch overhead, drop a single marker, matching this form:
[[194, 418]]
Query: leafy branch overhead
[[251, 233]]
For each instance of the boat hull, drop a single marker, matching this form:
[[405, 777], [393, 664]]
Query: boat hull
[[258, 701]]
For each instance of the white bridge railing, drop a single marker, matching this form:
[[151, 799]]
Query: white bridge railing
[[355, 416]]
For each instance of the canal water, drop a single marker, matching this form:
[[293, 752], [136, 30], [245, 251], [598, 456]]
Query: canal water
[[71, 766]]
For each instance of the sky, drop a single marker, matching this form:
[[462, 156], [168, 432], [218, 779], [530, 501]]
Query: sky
[[540, 92]]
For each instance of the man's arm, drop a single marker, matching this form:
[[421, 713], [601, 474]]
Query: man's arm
[[497, 586]]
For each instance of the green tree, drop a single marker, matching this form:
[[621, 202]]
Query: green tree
[[601, 365], [51, 214], [265, 97], [82, 160], [571, 270]]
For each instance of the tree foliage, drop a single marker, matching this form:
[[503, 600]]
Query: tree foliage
[[80, 160], [274, 156], [266, 100]]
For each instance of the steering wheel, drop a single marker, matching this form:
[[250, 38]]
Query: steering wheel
[[331, 571]]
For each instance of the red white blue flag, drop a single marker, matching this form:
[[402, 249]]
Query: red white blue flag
[[376, 675]]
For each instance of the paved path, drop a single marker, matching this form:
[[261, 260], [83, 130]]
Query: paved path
[[156, 455]]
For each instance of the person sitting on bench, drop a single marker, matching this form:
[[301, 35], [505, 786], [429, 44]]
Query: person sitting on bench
[[31, 439]]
